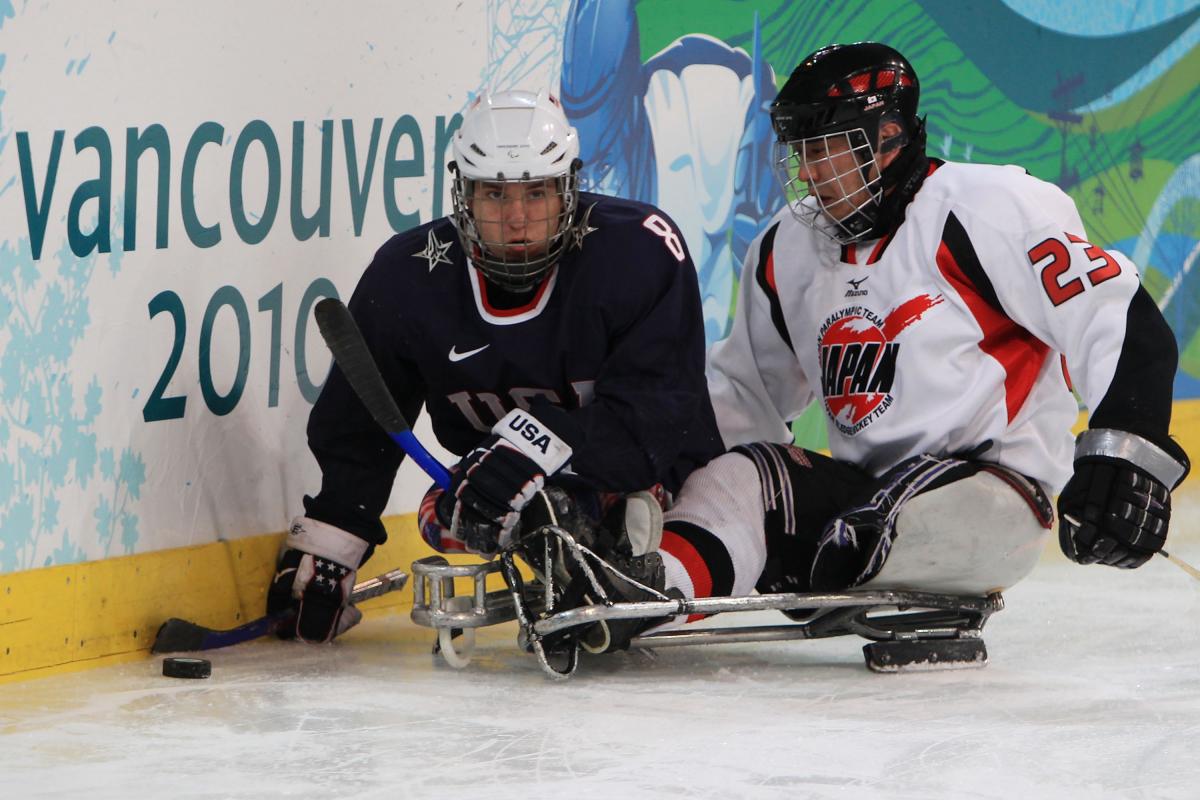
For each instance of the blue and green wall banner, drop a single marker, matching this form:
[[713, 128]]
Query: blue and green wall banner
[[178, 188]]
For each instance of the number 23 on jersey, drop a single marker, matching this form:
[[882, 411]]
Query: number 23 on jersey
[[1054, 257]]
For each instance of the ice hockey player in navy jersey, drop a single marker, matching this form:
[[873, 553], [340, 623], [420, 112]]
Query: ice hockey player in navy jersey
[[935, 311], [551, 335]]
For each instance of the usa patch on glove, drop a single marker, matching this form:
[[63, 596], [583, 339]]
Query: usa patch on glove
[[496, 480], [521, 430]]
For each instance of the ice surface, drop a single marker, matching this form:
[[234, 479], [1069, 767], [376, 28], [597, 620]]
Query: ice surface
[[1093, 691]]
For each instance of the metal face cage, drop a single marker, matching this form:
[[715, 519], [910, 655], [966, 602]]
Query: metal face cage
[[831, 182], [515, 229]]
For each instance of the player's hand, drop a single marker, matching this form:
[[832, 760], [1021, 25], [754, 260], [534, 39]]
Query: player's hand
[[314, 576], [1114, 510], [495, 481], [1112, 514]]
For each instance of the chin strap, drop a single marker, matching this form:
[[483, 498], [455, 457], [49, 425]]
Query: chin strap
[[901, 180]]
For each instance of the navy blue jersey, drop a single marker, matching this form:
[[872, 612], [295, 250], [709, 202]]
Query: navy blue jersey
[[612, 340]]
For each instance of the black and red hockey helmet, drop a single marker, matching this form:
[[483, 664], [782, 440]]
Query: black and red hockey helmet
[[847, 86], [837, 100]]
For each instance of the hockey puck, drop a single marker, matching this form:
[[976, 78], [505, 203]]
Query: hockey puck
[[187, 667]]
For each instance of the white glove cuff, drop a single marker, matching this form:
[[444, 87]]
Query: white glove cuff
[[1130, 447], [523, 432], [320, 539]]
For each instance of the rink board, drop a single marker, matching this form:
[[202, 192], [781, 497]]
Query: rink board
[[71, 617], [61, 619]]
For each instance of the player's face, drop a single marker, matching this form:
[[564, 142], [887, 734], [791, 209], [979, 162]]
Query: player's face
[[830, 165], [517, 219]]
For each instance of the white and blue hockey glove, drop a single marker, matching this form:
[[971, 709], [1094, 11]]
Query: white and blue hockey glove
[[495, 481], [315, 575], [1116, 508]]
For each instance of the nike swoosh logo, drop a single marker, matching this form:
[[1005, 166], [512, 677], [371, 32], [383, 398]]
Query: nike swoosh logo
[[457, 356], [281, 573]]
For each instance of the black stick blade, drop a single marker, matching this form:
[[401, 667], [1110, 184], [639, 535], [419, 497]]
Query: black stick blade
[[350, 351], [180, 636]]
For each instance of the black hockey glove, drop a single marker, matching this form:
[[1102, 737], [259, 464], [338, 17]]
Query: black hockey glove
[[314, 576], [1116, 508], [498, 478]]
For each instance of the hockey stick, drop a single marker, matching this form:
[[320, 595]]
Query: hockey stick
[[178, 635], [1176, 560], [1183, 565], [351, 353]]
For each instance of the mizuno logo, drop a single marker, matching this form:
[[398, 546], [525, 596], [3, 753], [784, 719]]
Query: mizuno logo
[[457, 356], [854, 290]]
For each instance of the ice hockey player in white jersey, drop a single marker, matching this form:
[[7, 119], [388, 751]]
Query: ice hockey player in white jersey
[[940, 313]]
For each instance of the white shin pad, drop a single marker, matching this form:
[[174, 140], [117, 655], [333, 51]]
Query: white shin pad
[[725, 498], [973, 536]]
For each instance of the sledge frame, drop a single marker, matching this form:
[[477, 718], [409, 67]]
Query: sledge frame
[[907, 630]]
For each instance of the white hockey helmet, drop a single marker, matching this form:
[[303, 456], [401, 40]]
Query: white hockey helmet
[[515, 191]]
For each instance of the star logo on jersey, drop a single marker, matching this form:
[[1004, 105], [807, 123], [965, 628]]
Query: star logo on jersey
[[582, 228], [858, 360], [434, 252]]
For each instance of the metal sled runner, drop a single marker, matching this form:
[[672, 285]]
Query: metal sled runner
[[909, 631]]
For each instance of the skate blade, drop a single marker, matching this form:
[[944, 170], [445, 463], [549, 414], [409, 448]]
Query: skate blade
[[925, 656]]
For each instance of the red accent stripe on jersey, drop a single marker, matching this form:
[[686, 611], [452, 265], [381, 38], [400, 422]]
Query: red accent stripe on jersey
[[511, 312], [850, 251], [1066, 373], [933, 165], [1019, 352], [770, 272], [878, 249], [692, 562]]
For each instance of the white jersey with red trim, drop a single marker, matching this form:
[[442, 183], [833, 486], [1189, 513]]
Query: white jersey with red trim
[[937, 339]]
